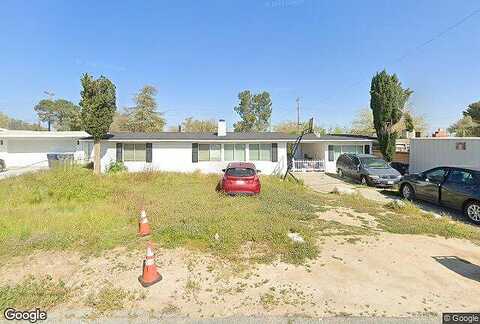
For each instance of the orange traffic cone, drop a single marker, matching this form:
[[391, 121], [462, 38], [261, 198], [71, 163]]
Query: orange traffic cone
[[143, 226], [150, 274]]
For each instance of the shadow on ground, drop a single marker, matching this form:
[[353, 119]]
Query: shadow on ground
[[460, 266]]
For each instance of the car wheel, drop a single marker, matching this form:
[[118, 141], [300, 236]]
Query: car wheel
[[340, 173], [364, 180], [407, 192], [472, 211]]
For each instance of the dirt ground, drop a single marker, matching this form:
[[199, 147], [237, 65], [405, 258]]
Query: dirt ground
[[382, 275]]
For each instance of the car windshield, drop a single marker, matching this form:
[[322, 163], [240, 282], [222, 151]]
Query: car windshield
[[240, 172], [371, 162]]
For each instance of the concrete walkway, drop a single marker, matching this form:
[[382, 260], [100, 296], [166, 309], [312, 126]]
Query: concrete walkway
[[20, 171], [326, 183]]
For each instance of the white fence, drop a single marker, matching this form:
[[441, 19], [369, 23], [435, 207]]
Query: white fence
[[308, 165]]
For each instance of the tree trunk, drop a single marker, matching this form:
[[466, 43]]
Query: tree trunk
[[97, 168]]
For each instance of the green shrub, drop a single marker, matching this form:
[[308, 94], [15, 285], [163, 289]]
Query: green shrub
[[116, 167]]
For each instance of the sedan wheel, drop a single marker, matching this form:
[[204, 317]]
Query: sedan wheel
[[407, 192], [472, 211]]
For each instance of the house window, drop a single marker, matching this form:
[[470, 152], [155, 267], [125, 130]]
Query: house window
[[134, 152], [87, 150], [209, 152], [234, 152], [334, 151], [260, 152]]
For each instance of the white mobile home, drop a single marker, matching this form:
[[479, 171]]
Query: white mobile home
[[211, 152], [430, 152], [21, 149]]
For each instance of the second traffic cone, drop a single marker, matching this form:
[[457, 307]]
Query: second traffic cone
[[143, 226], [150, 274]]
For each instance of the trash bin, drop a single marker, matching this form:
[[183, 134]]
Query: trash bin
[[64, 160], [52, 160]]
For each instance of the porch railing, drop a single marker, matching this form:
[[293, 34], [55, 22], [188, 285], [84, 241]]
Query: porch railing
[[308, 165]]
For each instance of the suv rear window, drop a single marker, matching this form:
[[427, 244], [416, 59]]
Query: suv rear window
[[240, 172]]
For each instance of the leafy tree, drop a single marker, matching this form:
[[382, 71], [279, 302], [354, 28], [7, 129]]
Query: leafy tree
[[143, 117], [290, 127], [62, 114], [17, 124], [387, 102], [68, 116], [408, 122], [466, 126], [119, 124], [255, 111], [363, 123], [473, 110], [46, 111], [200, 126], [98, 108]]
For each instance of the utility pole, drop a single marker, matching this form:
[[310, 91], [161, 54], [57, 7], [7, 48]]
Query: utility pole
[[298, 114]]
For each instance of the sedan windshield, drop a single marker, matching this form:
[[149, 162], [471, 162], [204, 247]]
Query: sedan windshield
[[374, 163], [240, 172]]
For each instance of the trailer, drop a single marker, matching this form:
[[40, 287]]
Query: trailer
[[430, 152]]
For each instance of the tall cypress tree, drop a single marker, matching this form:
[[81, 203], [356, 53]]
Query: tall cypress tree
[[98, 107], [387, 102]]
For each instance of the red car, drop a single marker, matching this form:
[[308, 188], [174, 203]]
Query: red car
[[240, 178]]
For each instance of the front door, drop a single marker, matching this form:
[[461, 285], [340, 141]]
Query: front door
[[429, 187]]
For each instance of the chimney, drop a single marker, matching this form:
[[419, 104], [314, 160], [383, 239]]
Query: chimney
[[222, 128]]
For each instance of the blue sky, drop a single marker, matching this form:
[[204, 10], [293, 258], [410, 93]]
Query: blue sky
[[200, 54]]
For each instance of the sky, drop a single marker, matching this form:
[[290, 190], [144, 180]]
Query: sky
[[201, 54]]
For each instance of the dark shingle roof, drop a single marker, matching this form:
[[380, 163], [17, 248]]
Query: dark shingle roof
[[231, 136]]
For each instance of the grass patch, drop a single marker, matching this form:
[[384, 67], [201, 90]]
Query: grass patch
[[58, 210], [61, 210], [43, 293], [110, 299], [404, 217], [409, 219]]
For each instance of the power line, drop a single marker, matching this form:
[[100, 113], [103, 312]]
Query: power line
[[416, 48]]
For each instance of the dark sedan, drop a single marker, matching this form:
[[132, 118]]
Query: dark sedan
[[453, 187]]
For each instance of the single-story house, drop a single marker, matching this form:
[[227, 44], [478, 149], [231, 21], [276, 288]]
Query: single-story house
[[211, 152], [430, 152], [19, 148]]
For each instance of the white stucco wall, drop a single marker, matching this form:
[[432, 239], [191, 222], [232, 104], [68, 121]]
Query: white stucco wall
[[319, 151], [177, 157], [22, 152], [427, 153]]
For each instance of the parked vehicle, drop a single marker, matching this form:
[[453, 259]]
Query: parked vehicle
[[400, 167], [453, 187], [240, 178], [368, 169]]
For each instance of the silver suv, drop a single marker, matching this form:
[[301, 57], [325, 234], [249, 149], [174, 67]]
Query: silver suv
[[367, 169]]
